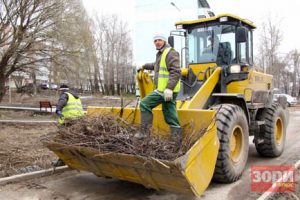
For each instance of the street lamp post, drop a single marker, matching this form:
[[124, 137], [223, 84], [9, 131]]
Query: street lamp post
[[181, 42], [173, 4]]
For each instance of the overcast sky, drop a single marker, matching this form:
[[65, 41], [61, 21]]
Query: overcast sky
[[147, 17]]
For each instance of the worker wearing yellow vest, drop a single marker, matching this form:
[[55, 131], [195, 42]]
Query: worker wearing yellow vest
[[69, 105], [167, 80]]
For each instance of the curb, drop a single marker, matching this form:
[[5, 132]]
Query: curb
[[27, 121], [22, 108], [31, 175], [273, 189]]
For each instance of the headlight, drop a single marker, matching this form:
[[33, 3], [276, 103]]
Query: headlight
[[235, 69], [223, 19], [179, 26]]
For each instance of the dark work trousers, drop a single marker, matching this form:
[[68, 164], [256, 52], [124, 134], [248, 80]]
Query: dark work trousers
[[168, 107]]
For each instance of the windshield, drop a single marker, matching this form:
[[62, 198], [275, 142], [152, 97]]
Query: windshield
[[212, 44]]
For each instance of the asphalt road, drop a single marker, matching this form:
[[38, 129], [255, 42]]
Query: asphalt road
[[81, 185]]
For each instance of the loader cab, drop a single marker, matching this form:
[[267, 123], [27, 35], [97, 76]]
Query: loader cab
[[223, 44], [224, 41]]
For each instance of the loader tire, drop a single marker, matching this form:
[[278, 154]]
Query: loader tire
[[233, 133], [273, 132]]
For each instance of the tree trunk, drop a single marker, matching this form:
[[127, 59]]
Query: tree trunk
[[118, 89], [2, 85], [33, 76], [106, 90], [92, 86], [96, 83], [96, 74], [112, 89], [101, 85]]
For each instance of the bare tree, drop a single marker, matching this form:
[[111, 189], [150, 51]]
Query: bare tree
[[270, 40], [24, 26], [114, 50], [282, 76], [295, 62], [73, 64]]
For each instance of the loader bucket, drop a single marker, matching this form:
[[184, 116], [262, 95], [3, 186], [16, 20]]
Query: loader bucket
[[190, 173]]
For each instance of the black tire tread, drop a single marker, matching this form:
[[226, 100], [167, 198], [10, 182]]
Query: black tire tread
[[268, 148], [223, 170]]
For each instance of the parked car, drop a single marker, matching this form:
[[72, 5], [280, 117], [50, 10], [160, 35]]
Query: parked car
[[44, 86], [290, 100], [53, 86]]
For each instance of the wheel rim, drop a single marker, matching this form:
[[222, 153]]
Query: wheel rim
[[278, 131], [236, 144]]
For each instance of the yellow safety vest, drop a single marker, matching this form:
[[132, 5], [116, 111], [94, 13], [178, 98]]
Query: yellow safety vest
[[72, 110], [163, 74]]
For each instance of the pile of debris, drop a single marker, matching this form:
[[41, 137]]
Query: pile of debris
[[108, 133]]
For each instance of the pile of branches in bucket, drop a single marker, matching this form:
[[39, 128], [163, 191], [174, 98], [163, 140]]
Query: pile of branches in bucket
[[108, 133]]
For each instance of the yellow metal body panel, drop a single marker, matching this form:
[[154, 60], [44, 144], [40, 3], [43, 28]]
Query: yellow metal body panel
[[200, 69], [256, 81], [190, 173], [200, 98], [202, 20], [184, 71], [145, 83]]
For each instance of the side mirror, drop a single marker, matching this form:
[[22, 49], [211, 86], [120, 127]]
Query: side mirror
[[171, 41], [241, 34]]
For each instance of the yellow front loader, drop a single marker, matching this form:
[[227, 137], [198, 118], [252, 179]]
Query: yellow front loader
[[221, 93]]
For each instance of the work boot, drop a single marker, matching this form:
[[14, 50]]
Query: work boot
[[146, 124], [176, 134]]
